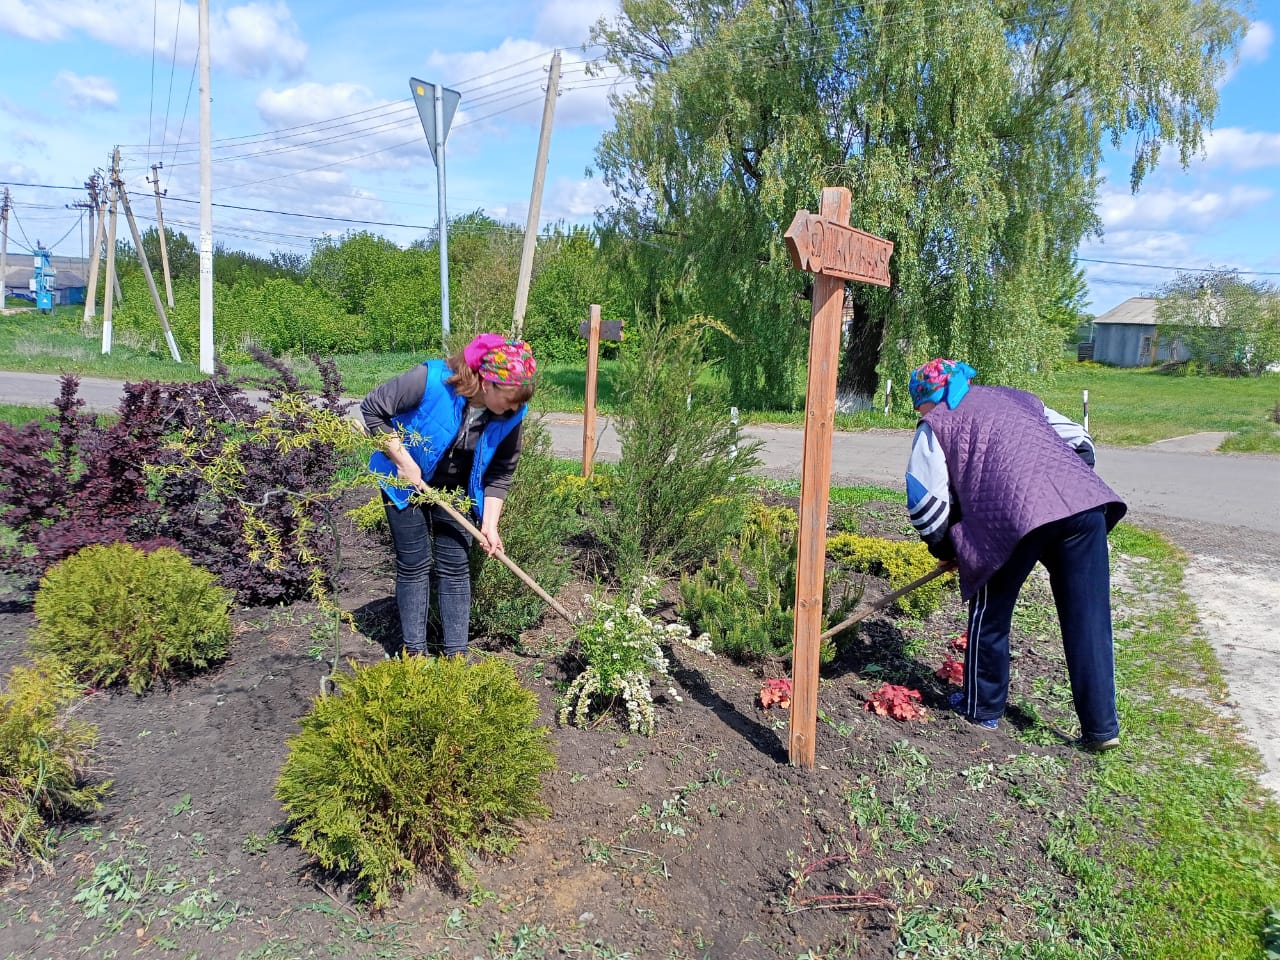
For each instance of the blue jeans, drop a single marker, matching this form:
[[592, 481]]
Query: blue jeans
[[1074, 551], [431, 546]]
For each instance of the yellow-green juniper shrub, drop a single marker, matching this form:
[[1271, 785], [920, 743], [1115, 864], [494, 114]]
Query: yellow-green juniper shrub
[[44, 760], [745, 598], [415, 763], [119, 614], [899, 561], [371, 516], [622, 649]]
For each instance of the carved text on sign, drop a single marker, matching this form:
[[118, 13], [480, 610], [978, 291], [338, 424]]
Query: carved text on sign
[[823, 246]]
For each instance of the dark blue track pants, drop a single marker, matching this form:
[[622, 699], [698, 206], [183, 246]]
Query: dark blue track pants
[[1074, 551]]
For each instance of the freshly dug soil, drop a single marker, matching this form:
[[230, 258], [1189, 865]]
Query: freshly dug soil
[[699, 841]]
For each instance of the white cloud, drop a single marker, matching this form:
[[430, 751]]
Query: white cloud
[[80, 91], [1257, 42], [368, 132], [507, 85], [568, 23], [1192, 210], [258, 37], [508, 81], [250, 39], [29, 21], [576, 200], [1240, 149]]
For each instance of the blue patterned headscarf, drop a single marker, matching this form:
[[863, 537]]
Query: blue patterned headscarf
[[940, 381]]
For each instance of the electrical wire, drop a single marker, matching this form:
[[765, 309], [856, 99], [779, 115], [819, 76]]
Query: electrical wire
[[173, 70], [1161, 266], [151, 103]]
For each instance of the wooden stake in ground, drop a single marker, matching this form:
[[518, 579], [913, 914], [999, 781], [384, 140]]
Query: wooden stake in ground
[[593, 330], [828, 247]]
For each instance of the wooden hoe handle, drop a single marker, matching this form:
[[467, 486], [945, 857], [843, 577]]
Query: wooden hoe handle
[[510, 564], [880, 603]]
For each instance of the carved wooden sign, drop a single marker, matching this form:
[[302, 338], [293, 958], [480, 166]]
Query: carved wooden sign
[[832, 249], [609, 330], [824, 245]]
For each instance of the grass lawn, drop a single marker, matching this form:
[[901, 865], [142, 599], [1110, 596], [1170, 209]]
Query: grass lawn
[[1126, 407]]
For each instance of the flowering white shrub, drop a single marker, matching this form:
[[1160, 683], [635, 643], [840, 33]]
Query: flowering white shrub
[[623, 651]]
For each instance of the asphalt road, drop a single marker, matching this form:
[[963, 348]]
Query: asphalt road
[[1232, 500]]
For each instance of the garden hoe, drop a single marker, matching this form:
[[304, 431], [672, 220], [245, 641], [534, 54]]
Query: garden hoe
[[880, 603], [510, 564]]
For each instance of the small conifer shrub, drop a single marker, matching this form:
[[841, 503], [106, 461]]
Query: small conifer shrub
[[118, 614], [44, 757], [414, 764], [745, 599], [899, 561]]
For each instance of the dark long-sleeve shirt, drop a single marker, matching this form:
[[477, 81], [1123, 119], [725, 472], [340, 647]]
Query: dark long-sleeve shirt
[[403, 394]]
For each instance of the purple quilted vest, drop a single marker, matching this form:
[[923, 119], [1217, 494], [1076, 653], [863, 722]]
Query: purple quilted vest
[[1010, 473]]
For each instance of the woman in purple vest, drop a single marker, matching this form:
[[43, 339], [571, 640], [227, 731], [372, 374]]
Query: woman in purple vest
[[997, 482], [451, 424]]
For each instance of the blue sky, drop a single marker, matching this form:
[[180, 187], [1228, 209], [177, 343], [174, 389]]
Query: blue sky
[[311, 115]]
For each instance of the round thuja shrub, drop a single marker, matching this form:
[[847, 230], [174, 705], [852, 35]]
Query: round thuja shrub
[[413, 765], [117, 614], [45, 757]]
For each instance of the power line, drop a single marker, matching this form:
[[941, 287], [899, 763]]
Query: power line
[[1163, 266]]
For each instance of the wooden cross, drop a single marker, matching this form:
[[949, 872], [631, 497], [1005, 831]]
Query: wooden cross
[[826, 246]]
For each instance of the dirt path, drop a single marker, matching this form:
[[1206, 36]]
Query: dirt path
[[1233, 579]]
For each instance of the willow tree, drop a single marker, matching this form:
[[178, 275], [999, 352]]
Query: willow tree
[[970, 135]]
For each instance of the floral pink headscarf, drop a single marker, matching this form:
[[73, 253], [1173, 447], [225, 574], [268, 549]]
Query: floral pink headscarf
[[508, 363]]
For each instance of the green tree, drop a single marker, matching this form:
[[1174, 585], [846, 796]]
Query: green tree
[[570, 273], [971, 137], [348, 270], [184, 258], [1226, 323]]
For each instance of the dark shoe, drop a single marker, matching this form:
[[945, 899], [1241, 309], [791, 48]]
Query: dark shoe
[[1098, 746], [956, 701]]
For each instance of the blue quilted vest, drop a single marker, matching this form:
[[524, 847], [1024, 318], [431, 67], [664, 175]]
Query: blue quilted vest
[[427, 432], [1010, 474]]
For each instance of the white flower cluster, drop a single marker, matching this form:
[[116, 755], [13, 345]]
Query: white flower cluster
[[624, 655]]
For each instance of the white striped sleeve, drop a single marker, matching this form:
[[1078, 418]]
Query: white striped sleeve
[[1072, 433], [928, 487]]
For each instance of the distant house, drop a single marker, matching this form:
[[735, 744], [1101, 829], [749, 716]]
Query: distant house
[[1127, 336], [69, 283]]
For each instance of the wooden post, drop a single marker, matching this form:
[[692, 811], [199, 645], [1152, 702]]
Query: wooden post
[[535, 200], [164, 246], [146, 273], [99, 200], [589, 414], [594, 330], [832, 250]]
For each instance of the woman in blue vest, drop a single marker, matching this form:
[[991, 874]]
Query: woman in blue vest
[[997, 482], [451, 424]]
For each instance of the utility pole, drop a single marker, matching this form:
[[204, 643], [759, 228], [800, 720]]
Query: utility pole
[[90, 205], [111, 280], [98, 197], [206, 200], [4, 247], [164, 246], [535, 200], [146, 268]]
